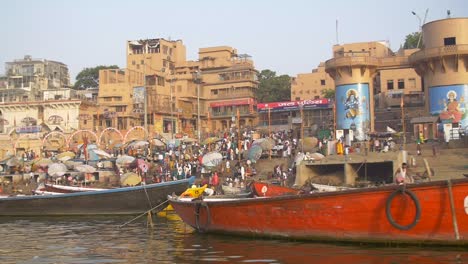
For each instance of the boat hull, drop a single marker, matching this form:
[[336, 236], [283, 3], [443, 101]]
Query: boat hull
[[417, 214], [120, 201]]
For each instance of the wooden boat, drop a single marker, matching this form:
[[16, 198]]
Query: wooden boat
[[425, 213], [266, 189], [68, 189], [233, 190], [119, 201]]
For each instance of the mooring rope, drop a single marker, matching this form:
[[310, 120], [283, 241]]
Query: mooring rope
[[143, 214]]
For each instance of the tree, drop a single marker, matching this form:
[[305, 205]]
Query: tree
[[89, 77], [273, 88], [411, 41], [328, 93]]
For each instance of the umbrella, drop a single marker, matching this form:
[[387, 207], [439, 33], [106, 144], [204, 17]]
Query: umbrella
[[71, 164], [309, 143], [13, 162], [101, 153], [65, 155], [124, 159], [255, 152], [212, 159], [211, 140], [57, 169], [264, 143], [158, 142], [43, 162], [189, 140], [130, 179], [139, 143], [85, 168]]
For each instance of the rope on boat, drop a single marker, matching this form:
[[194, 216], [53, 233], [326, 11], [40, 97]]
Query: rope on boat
[[147, 196], [126, 223], [452, 207]]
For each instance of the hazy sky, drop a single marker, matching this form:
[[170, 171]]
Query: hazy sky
[[288, 36]]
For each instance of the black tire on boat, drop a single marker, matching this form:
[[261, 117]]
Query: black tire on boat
[[389, 213]]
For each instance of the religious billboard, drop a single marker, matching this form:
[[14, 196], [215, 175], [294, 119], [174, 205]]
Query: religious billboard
[[352, 108], [449, 103], [139, 99]]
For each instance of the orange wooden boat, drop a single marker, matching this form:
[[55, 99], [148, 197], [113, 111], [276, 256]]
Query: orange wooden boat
[[266, 189], [426, 213]]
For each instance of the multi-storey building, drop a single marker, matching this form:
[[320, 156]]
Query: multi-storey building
[[181, 96], [229, 87], [308, 86], [36, 99]]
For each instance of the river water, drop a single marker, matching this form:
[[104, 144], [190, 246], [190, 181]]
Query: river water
[[101, 240]]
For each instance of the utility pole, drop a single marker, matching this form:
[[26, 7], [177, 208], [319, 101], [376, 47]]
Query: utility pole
[[145, 99], [198, 80]]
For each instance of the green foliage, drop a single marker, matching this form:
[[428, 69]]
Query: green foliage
[[328, 93], [411, 41], [273, 88], [89, 77]]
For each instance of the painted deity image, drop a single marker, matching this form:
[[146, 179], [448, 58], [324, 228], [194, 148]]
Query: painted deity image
[[452, 109], [352, 104]]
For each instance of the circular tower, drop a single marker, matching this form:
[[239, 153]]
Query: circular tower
[[353, 73], [443, 65]]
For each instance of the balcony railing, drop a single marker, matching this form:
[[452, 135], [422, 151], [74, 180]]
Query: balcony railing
[[230, 113], [438, 52], [351, 61]]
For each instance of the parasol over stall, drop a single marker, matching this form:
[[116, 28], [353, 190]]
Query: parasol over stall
[[309, 144], [64, 156], [57, 169], [254, 154], [124, 160], [158, 142], [264, 143], [130, 179], [85, 168], [211, 140], [101, 153], [212, 159]]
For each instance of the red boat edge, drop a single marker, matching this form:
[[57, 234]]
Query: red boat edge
[[432, 213]]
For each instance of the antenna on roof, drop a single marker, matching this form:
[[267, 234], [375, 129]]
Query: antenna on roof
[[336, 30]]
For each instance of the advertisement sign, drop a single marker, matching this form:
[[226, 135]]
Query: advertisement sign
[[139, 99], [293, 105], [28, 129], [352, 108], [449, 103]]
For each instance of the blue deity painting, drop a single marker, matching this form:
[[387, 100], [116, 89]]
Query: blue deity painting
[[352, 108]]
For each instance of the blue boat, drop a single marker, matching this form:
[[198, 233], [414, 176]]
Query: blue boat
[[119, 201]]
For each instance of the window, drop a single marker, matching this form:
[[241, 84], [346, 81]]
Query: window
[[322, 82], [316, 97], [411, 83], [450, 41], [401, 83], [389, 84]]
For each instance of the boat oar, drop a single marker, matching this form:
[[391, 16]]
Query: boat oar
[[144, 213]]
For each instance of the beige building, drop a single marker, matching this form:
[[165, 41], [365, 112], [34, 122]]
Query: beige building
[[307, 86], [181, 95], [369, 76], [36, 101], [443, 64], [229, 87]]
